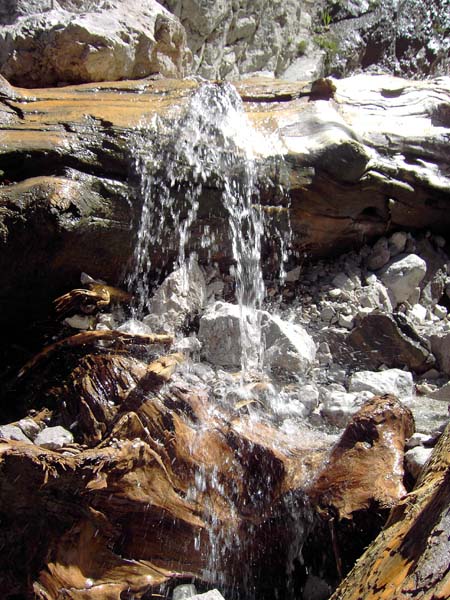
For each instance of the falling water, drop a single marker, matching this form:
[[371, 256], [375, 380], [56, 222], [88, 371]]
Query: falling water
[[212, 145]]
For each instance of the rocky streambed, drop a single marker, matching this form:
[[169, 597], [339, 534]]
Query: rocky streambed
[[191, 428]]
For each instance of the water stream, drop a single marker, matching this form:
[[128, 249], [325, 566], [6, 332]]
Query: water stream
[[213, 146], [213, 150]]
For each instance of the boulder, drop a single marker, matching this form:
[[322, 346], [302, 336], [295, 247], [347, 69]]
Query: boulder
[[339, 407], [440, 346], [378, 340], [287, 347], [181, 296], [390, 381], [402, 276], [12, 432], [53, 438], [76, 43]]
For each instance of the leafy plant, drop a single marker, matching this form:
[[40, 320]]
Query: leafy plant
[[325, 18]]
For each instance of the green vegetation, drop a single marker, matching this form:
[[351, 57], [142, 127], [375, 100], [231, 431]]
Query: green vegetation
[[327, 43], [302, 46], [325, 18]]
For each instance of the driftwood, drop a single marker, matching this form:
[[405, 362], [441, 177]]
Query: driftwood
[[90, 337], [361, 481], [172, 489], [89, 300], [410, 559]]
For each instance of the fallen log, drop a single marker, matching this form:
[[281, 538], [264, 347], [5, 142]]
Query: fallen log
[[410, 559], [91, 337]]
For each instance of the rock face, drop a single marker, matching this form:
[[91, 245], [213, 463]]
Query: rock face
[[230, 39], [82, 132], [76, 43]]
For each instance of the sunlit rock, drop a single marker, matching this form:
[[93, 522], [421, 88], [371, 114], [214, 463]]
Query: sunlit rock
[[182, 295], [77, 42], [402, 276], [390, 381], [415, 460], [53, 438], [12, 432]]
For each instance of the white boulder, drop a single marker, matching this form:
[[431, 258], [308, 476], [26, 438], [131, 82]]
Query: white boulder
[[288, 347], [391, 381], [181, 294], [53, 438], [339, 407], [440, 347], [402, 276], [12, 432], [86, 42]]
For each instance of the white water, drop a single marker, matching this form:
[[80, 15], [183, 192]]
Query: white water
[[212, 145]]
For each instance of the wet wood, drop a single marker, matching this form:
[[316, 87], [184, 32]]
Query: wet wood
[[410, 558], [90, 337]]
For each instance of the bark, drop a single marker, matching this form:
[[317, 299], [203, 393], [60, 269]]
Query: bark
[[410, 558]]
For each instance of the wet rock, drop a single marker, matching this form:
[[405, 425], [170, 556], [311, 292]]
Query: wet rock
[[378, 340], [83, 44], [390, 381], [402, 276], [288, 347], [53, 438], [12, 432], [339, 407], [182, 295]]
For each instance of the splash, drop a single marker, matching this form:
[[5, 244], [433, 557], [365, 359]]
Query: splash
[[213, 146]]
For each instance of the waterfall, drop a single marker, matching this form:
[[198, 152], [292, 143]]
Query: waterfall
[[212, 146]]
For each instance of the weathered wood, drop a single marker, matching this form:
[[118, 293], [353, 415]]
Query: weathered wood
[[90, 337], [410, 559]]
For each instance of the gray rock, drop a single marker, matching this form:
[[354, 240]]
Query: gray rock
[[418, 439], [12, 432], [54, 438], [182, 294], [390, 381], [440, 347], [379, 256], [402, 275], [84, 42], [287, 346], [377, 339], [29, 427], [397, 243], [339, 407], [343, 282], [209, 595], [415, 460], [442, 393]]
